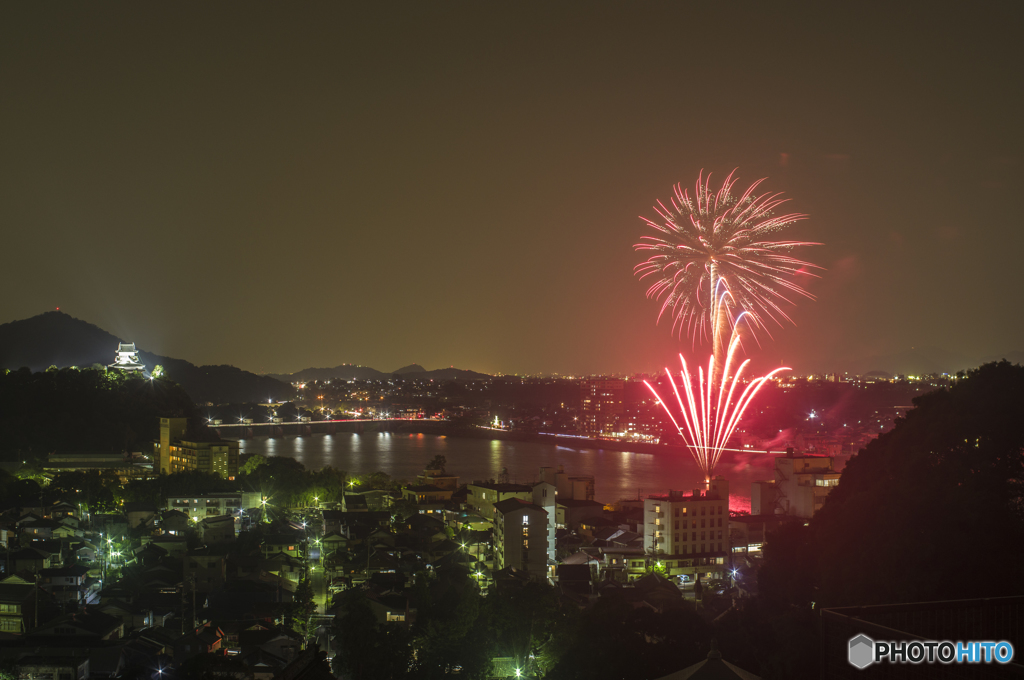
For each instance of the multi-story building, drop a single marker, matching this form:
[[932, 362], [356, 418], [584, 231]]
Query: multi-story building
[[801, 484], [544, 497], [218, 457], [642, 421], [429, 499], [578, 488], [521, 537], [171, 431], [439, 479], [199, 508], [600, 407], [482, 496], [689, 533]]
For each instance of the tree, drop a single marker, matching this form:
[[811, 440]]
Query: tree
[[925, 503], [437, 463], [254, 461], [366, 649]]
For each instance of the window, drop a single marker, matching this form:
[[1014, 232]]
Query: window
[[719, 509], [675, 538], [693, 536], [526, 519], [693, 524], [719, 546], [702, 523], [702, 547], [719, 521], [703, 510], [719, 535], [677, 514], [703, 535], [677, 524]]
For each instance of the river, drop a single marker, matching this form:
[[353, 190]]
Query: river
[[617, 474]]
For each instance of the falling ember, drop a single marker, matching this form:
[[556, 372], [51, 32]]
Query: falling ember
[[711, 409]]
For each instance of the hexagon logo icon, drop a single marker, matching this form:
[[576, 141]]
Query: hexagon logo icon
[[862, 651]]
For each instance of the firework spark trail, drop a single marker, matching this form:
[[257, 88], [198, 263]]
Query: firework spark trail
[[711, 413], [716, 236]]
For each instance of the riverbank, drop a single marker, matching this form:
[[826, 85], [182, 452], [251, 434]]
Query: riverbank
[[447, 430]]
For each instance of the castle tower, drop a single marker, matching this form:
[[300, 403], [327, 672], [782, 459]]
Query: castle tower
[[127, 358]]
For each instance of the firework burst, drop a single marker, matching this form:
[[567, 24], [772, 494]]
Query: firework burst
[[712, 403], [720, 238]]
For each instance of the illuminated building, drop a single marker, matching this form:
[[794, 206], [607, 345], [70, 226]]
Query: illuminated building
[[199, 507], [544, 497], [801, 484], [600, 407], [580, 488], [521, 537], [688, 534], [171, 431], [483, 496], [127, 358], [218, 457]]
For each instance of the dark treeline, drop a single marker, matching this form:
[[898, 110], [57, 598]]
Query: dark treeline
[[86, 410], [921, 507]]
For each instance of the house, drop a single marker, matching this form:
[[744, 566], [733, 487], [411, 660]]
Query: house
[[334, 541], [174, 522], [30, 560], [68, 664], [42, 528], [141, 514], [389, 607], [89, 624], [218, 529], [428, 498], [62, 510], [205, 640], [285, 543], [570, 513], [134, 616], [206, 568], [283, 564], [66, 584], [176, 546], [17, 606], [110, 525]]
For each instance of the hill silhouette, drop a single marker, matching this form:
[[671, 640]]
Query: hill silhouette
[[353, 372], [58, 339], [411, 368]]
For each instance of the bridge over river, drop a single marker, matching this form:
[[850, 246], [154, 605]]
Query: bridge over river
[[278, 428]]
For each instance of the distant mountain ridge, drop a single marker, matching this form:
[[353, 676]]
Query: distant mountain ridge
[[57, 339], [915, 361], [353, 372]]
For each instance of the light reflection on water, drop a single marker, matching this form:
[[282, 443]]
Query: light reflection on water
[[617, 474]]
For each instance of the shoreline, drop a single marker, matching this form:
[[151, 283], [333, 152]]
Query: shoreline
[[443, 429]]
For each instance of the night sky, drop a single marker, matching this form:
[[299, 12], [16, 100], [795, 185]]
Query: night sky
[[283, 186]]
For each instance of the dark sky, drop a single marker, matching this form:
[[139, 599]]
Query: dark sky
[[278, 186]]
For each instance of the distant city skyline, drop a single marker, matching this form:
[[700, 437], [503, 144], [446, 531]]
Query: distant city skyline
[[286, 188]]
